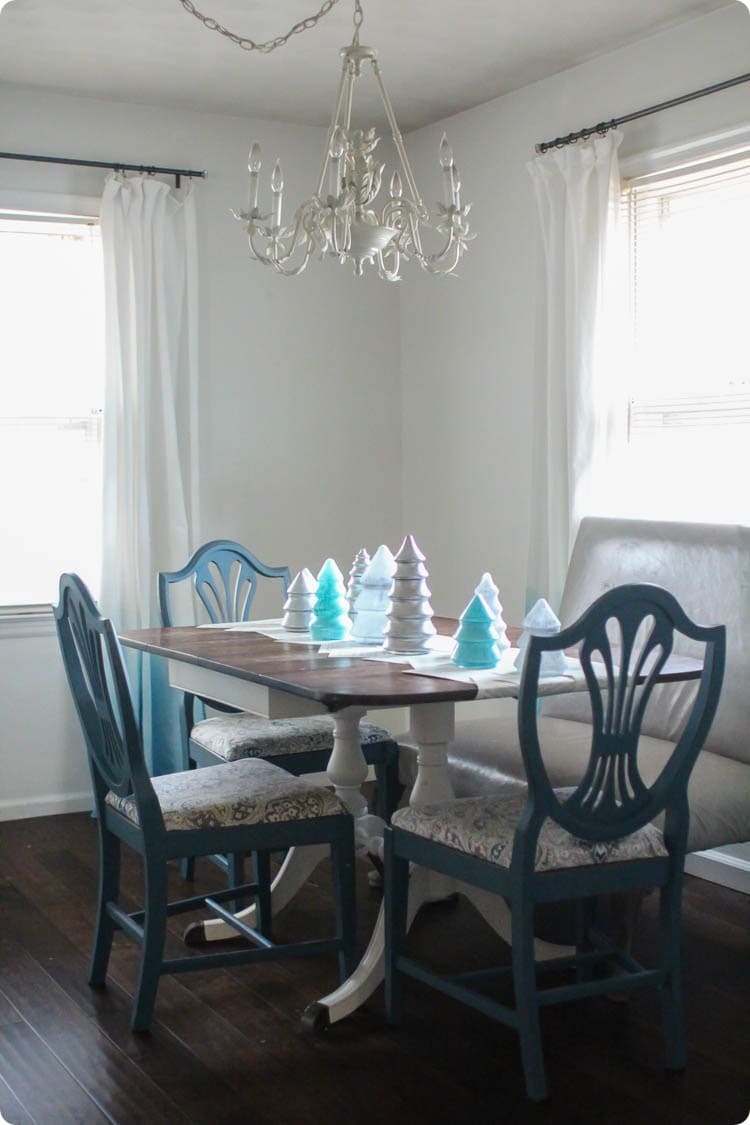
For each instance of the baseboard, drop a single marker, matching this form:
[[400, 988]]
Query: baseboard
[[728, 870], [52, 805]]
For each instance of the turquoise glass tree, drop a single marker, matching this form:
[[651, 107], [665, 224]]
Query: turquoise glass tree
[[330, 620], [476, 639]]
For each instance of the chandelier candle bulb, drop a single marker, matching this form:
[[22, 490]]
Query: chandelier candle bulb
[[277, 187], [254, 165], [397, 188], [446, 163]]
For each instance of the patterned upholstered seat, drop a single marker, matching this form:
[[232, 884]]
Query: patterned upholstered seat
[[237, 736], [484, 827], [240, 793]]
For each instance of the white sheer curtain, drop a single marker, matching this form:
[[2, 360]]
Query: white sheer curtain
[[578, 195], [150, 415]]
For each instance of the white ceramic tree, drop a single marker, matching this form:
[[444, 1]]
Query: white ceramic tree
[[372, 603], [300, 600], [541, 621], [410, 624], [488, 591], [356, 574]]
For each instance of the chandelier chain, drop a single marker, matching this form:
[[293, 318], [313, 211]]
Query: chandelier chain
[[271, 44]]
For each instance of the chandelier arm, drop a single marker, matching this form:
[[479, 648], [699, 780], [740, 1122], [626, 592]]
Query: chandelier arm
[[332, 127], [384, 272], [398, 140], [296, 270], [440, 263], [351, 70]]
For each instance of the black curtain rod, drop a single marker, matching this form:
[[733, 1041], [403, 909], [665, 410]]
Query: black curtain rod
[[605, 126], [113, 165]]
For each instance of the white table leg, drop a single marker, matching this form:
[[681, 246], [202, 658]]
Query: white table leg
[[347, 771], [432, 728], [369, 973]]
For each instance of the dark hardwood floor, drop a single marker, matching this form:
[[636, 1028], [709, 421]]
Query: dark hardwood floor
[[226, 1045]]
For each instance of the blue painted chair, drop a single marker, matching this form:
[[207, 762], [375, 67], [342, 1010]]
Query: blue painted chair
[[249, 806], [539, 844], [224, 576]]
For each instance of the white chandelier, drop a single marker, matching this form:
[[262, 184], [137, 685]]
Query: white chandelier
[[341, 218]]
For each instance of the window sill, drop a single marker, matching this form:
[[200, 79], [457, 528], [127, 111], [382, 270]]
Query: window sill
[[14, 625]]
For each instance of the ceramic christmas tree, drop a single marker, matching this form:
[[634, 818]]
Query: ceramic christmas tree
[[330, 620], [476, 639], [489, 592], [300, 600], [410, 625], [541, 621], [356, 574], [372, 603]]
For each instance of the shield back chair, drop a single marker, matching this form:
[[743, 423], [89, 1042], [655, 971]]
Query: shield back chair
[[538, 844], [224, 576], [249, 806]]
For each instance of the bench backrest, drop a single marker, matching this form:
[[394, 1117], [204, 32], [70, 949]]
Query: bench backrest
[[707, 568]]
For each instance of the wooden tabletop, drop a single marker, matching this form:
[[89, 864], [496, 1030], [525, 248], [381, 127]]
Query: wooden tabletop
[[334, 681]]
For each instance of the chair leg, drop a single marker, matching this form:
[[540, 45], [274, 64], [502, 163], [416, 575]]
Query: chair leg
[[585, 910], [262, 876], [235, 874], [109, 885], [154, 933], [344, 894], [388, 786], [670, 917], [527, 1007], [187, 863], [396, 907]]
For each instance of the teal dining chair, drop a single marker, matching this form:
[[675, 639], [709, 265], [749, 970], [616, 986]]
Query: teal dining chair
[[224, 577], [249, 806], [541, 844]]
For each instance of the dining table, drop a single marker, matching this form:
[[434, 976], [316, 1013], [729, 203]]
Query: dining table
[[255, 667]]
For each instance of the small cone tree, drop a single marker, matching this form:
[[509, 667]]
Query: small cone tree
[[298, 607], [372, 603], [330, 621], [489, 592], [476, 639], [410, 626], [356, 574]]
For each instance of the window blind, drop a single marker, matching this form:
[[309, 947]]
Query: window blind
[[689, 238]]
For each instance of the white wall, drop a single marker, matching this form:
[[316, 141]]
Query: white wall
[[469, 348], [300, 395]]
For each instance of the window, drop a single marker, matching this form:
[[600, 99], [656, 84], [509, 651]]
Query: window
[[52, 365], [688, 450]]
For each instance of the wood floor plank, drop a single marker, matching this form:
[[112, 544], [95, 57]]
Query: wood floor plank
[[109, 1077], [41, 1083], [11, 1108]]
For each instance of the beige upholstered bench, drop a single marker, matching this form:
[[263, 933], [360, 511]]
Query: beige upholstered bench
[[707, 567]]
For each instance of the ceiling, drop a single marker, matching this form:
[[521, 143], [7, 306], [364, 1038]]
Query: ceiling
[[437, 56]]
